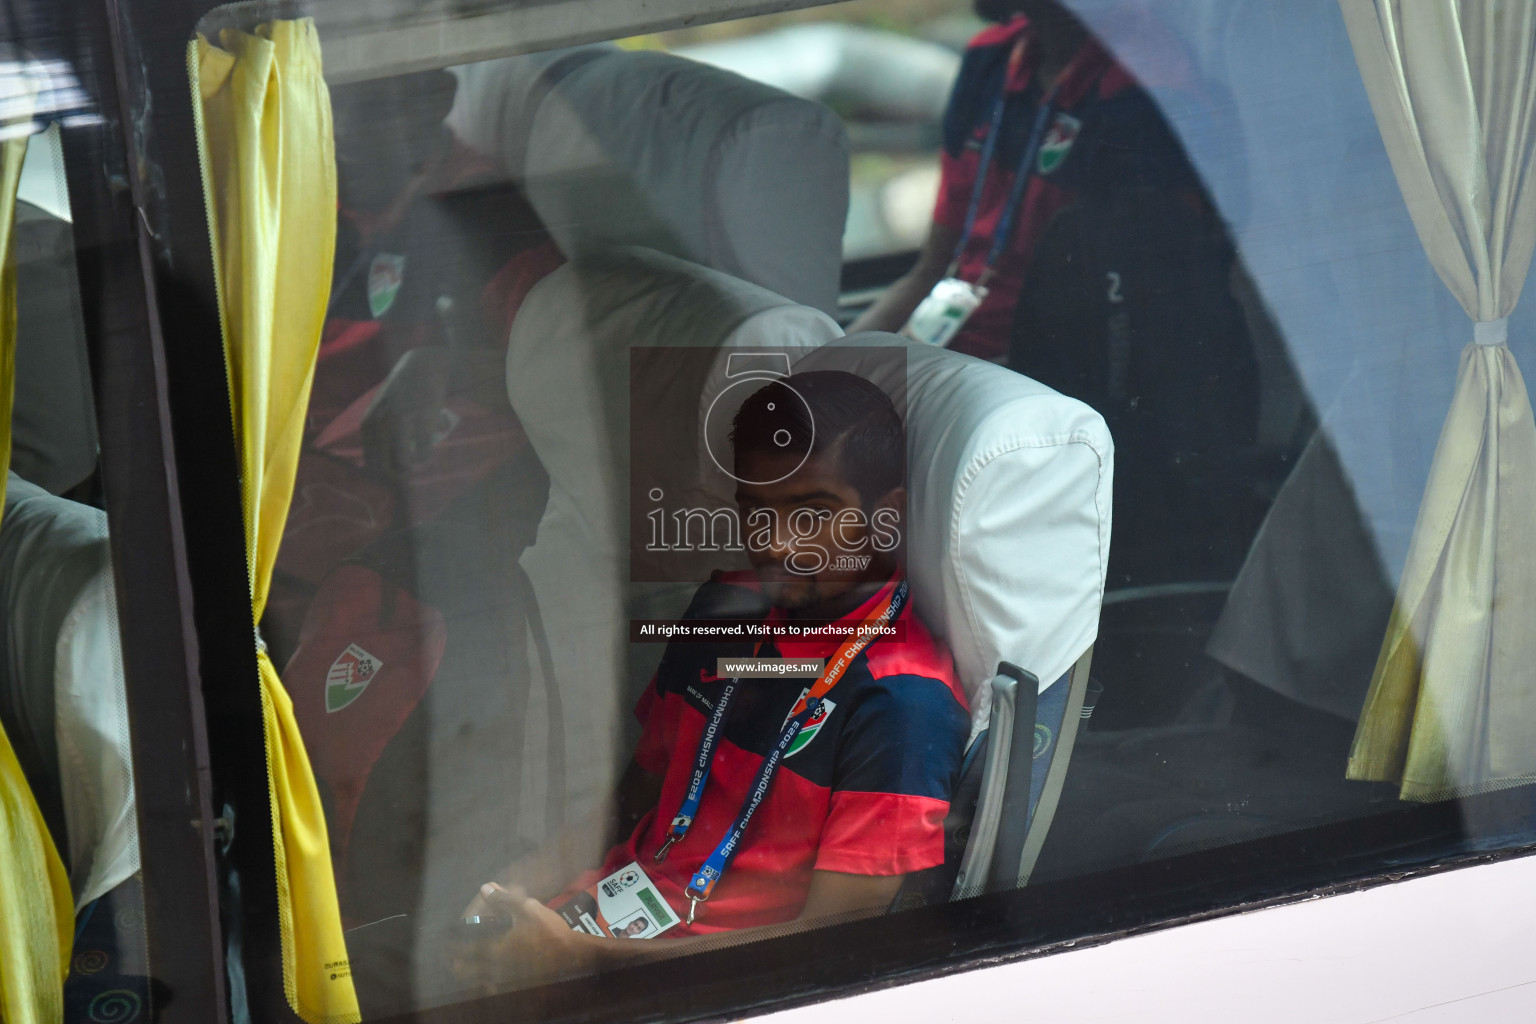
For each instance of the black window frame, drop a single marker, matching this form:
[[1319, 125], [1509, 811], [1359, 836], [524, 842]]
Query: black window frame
[[171, 480]]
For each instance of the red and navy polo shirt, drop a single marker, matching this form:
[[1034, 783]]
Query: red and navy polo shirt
[[1107, 133], [866, 795]]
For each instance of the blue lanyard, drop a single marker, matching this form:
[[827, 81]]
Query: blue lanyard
[[713, 869], [683, 820], [1021, 178]]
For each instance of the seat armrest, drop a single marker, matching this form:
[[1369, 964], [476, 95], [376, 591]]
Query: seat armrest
[[1014, 812], [989, 821]]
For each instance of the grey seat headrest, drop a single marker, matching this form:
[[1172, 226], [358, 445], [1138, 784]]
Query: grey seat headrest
[[53, 422], [655, 150]]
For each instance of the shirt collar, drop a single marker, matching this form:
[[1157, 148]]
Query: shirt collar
[[1075, 80], [826, 647]]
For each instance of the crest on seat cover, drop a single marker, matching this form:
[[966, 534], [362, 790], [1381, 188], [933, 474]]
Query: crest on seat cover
[[349, 676], [385, 275]]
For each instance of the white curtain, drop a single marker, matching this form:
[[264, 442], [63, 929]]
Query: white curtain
[[1452, 703]]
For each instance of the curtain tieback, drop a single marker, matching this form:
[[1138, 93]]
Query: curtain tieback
[[1491, 332]]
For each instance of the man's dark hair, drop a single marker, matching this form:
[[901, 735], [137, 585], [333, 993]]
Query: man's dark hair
[[834, 409], [1003, 11], [999, 11]]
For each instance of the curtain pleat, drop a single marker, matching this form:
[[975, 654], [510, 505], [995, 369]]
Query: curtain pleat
[[270, 178], [1451, 708], [36, 908]]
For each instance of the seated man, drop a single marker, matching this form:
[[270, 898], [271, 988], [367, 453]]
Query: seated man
[[857, 764], [1041, 115]]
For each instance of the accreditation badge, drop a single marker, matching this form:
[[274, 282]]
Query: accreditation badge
[[939, 317], [625, 905]]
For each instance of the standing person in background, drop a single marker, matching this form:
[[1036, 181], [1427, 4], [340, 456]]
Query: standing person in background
[[1040, 114], [1074, 241]]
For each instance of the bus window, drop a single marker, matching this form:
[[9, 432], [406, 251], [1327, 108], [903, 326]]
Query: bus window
[[886, 71], [714, 483], [64, 726]]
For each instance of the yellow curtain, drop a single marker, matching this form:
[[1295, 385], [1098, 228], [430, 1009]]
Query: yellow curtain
[[1452, 708], [37, 912], [270, 180]]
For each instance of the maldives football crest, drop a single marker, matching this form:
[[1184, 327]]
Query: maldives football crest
[[1058, 142], [385, 275], [810, 729], [349, 676]]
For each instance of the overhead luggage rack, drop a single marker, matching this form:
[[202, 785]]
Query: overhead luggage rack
[[366, 39]]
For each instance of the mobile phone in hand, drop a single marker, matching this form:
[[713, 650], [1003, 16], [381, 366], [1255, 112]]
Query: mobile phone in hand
[[479, 927]]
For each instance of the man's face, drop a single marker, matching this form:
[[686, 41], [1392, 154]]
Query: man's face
[[1001, 11], [809, 536], [385, 130]]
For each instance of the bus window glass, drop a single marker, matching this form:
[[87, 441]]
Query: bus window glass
[[64, 729], [760, 476], [885, 69]]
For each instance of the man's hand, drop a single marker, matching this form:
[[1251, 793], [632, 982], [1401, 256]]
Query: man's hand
[[548, 869], [539, 947], [892, 309], [409, 414], [835, 894]]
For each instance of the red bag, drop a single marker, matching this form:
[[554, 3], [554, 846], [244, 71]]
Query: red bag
[[367, 652], [339, 508]]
